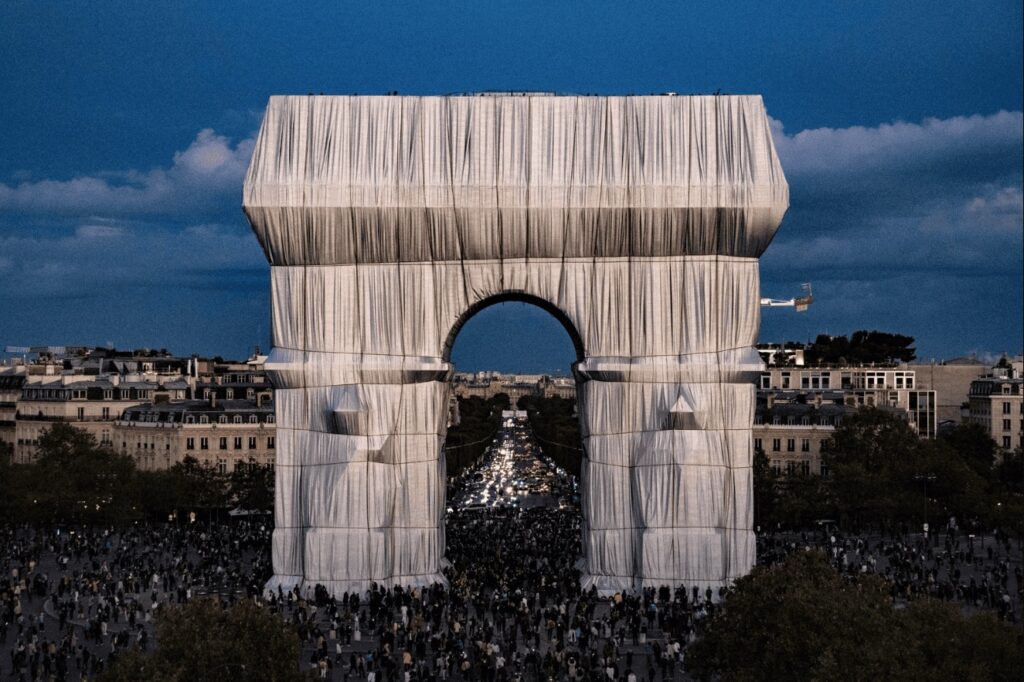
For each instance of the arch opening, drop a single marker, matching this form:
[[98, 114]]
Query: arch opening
[[515, 297]]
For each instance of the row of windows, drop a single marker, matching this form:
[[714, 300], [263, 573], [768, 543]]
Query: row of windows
[[204, 443], [152, 417], [823, 380], [1008, 425], [105, 412], [81, 394], [793, 467], [805, 444], [223, 419], [805, 420]]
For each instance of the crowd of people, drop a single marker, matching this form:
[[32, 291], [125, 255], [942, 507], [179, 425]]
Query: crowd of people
[[513, 610], [73, 599], [978, 572]]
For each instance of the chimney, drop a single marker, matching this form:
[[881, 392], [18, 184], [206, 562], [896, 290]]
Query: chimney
[[213, 397]]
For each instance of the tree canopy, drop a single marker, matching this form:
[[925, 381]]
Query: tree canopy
[[205, 641], [557, 427], [801, 620], [862, 347]]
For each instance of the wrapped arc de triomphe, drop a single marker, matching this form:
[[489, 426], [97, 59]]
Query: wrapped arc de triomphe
[[638, 221]]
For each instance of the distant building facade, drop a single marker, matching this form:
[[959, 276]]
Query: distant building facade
[[489, 384], [882, 387], [951, 381], [155, 407], [10, 392], [996, 403], [223, 434]]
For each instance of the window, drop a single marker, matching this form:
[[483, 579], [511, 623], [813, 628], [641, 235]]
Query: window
[[776, 444], [270, 442], [238, 419], [253, 419], [785, 379], [190, 443], [238, 442], [106, 413], [791, 445], [204, 443], [270, 419], [203, 419], [231, 394], [222, 466], [805, 468], [81, 413], [757, 444], [1006, 408], [224, 443], [223, 419], [805, 445], [190, 419], [252, 442], [766, 381], [1006, 425], [1006, 442]]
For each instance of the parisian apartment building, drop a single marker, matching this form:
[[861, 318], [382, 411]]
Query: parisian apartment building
[[160, 409], [996, 403], [155, 407]]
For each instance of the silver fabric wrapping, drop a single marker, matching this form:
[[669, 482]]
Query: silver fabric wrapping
[[389, 220]]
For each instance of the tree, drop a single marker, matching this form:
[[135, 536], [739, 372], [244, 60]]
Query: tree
[[204, 640], [862, 347], [797, 620], [76, 480], [860, 456], [765, 490], [974, 446], [252, 486], [556, 426], [801, 620], [881, 472], [479, 419]]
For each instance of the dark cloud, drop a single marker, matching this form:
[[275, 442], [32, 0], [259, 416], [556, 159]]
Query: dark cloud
[[913, 227]]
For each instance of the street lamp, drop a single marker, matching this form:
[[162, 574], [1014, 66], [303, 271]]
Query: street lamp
[[925, 478]]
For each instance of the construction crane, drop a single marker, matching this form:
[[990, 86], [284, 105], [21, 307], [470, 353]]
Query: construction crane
[[801, 304]]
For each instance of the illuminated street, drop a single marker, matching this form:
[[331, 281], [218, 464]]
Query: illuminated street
[[513, 473]]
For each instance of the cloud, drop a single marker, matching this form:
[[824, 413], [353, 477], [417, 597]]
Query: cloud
[[914, 227], [198, 179], [917, 226], [848, 178], [99, 231]]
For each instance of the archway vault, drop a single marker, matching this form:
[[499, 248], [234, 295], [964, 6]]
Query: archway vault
[[516, 297], [636, 221]]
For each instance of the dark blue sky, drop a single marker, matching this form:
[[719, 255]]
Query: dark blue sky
[[126, 128]]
